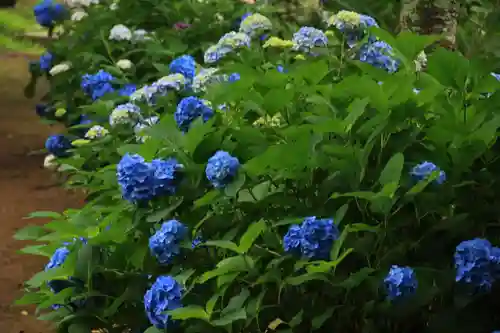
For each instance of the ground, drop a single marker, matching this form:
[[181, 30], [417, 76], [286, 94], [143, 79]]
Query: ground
[[24, 187]]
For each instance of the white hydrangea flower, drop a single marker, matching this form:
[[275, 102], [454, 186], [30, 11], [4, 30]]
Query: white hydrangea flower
[[120, 32], [140, 35], [141, 127], [96, 132], [113, 6], [60, 68], [78, 15], [50, 162], [81, 3], [421, 61], [124, 64]]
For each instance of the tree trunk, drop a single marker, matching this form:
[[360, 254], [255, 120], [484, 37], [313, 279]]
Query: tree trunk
[[431, 17]]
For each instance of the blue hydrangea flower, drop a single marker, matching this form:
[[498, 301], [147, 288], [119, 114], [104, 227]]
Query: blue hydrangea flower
[[58, 258], [216, 52], [227, 44], [234, 77], [400, 282], [196, 241], [58, 145], [142, 181], [46, 61], [221, 169], [255, 24], [185, 65], [165, 243], [190, 108], [164, 295], [313, 239], [379, 54], [423, 170], [281, 69], [308, 38], [496, 76], [475, 263], [124, 114], [127, 89], [170, 82], [352, 25], [97, 85], [48, 13], [205, 78]]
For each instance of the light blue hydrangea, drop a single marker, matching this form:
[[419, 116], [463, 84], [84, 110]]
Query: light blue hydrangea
[[164, 295], [313, 239], [400, 282], [255, 24], [352, 25], [221, 169], [308, 38], [165, 243], [227, 44], [190, 108], [204, 78], [423, 170], [379, 54], [216, 52]]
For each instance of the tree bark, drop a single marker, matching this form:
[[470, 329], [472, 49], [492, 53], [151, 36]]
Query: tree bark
[[431, 17]]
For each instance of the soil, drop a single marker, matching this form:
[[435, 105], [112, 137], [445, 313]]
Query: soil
[[25, 186]]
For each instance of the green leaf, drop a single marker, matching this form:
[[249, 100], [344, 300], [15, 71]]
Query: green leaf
[[230, 317], [356, 278], [207, 199], [251, 235], [44, 214], [411, 44], [153, 329], [189, 312], [450, 68], [229, 265], [392, 170], [31, 232], [318, 321], [354, 111], [297, 319], [224, 245], [30, 298], [360, 195], [236, 302], [340, 213], [184, 276], [165, 212], [198, 130], [276, 99], [87, 259], [298, 280], [231, 190]]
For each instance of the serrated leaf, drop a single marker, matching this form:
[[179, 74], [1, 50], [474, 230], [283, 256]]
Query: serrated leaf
[[251, 235]]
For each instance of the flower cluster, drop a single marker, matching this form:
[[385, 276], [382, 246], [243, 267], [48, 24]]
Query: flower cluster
[[164, 295], [312, 239], [142, 181], [255, 24], [184, 65], [96, 132], [190, 108], [227, 44], [58, 145], [423, 170], [352, 25], [165, 243], [142, 126], [161, 87], [308, 38], [400, 282], [98, 84], [120, 32], [221, 169], [477, 263], [48, 13], [46, 61], [379, 54], [124, 114]]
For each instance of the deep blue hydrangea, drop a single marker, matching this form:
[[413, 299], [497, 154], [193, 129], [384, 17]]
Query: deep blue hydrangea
[[42, 110], [400, 282], [477, 263], [425, 169], [190, 108], [308, 38], [281, 69], [196, 241], [58, 145], [127, 89], [185, 65], [142, 181], [46, 61], [58, 258], [47, 13], [313, 239], [165, 243], [234, 77], [221, 169], [379, 54], [97, 85], [164, 295]]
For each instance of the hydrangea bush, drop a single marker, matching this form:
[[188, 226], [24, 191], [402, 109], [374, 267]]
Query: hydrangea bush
[[325, 179]]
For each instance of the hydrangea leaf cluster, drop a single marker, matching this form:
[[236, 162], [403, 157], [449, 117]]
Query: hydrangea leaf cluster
[[313, 239], [165, 243]]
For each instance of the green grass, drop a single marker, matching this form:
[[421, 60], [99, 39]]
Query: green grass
[[14, 23], [14, 20], [18, 45]]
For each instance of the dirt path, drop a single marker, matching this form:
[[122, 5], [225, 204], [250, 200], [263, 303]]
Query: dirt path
[[24, 187]]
